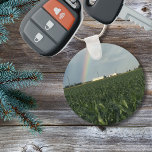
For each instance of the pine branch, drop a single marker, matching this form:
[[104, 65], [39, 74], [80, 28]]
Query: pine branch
[[22, 79], [3, 34], [21, 5], [8, 67], [28, 120], [5, 108], [5, 114], [9, 14], [6, 71], [26, 5], [17, 99], [10, 108], [22, 99], [2, 1], [18, 3], [10, 10]]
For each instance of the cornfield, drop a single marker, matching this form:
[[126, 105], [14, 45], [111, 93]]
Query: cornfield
[[108, 101]]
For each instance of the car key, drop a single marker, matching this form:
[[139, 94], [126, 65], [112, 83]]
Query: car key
[[51, 24], [106, 11]]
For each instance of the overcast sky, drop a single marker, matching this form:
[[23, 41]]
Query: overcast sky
[[115, 60]]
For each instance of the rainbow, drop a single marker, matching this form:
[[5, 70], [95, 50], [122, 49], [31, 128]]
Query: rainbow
[[85, 67]]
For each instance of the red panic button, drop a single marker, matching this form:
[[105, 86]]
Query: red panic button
[[60, 13]]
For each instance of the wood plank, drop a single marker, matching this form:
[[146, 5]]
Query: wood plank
[[50, 95], [85, 139], [66, 117], [144, 7], [54, 110], [125, 34]]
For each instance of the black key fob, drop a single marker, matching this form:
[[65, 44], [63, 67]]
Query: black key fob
[[51, 24], [104, 11]]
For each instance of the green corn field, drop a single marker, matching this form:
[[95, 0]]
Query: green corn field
[[107, 101]]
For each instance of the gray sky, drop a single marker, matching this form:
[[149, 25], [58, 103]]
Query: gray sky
[[115, 60]]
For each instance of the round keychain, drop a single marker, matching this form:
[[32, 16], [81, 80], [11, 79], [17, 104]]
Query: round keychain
[[104, 83]]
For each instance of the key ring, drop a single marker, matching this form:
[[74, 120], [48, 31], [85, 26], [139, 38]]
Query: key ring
[[101, 33]]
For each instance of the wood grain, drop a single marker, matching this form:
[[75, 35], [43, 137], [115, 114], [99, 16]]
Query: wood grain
[[63, 129], [124, 34], [78, 139]]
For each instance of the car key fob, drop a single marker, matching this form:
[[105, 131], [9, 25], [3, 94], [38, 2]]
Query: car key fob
[[104, 11], [51, 24]]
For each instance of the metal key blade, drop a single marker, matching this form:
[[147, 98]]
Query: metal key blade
[[127, 13]]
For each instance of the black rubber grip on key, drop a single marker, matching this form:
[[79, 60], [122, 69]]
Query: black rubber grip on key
[[104, 11]]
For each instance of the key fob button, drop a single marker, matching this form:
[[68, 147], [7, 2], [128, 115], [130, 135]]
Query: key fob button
[[49, 25], [60, 13], [42, 43]]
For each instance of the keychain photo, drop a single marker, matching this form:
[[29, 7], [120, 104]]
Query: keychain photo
[[103, 83]]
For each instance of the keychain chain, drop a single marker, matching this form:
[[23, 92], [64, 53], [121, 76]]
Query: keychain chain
[[101, 33]]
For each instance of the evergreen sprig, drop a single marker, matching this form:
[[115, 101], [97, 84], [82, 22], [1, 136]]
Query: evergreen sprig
[[11, 10], [3, 34], [14, 103]]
